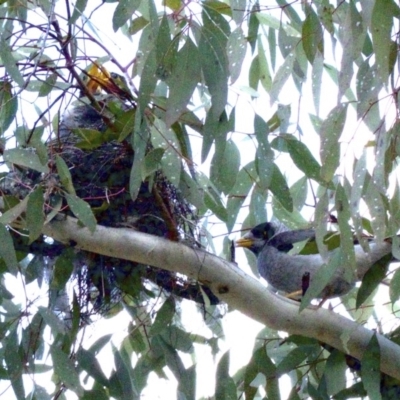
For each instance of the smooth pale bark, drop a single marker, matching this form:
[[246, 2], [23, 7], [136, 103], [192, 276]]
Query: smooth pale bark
[[231, 285]]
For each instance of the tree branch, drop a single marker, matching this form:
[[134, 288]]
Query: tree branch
[[231, 285]]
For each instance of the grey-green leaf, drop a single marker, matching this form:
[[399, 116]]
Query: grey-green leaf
[[82, 211], [34, 214], [26, 158]]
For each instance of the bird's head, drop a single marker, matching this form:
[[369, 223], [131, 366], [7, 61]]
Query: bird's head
[[257, 238], [98, 79]]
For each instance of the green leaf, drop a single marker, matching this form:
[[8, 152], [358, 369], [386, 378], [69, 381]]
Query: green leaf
[[330, 133], [57, 326], [236, 50], [63, 268], [292, 360], [321, 278], [280, 189], [137, 25], [264, 72], [80, 7], [91, 138], [65, 370], [121, 381], [381, 28], [25, 158], [214, 60], [370, 369], [65, 175], [281, 76], [394, 289], [346, 235], [148, 80], [123, 12], [302, 157], [88, 362], [225, 167], [317, 70], [276, 23], [10, 63], [187, 382], [14, 212], [7, 252], [261, 363], [166, 50], [8, 106], [139, 143], [254, 73], [152, 162], [35, 214], [225, 386], [14, 363], [372, 279], [254, 23], [82, 211], [164, 316], [244, 181], [48, 85], [377, 209], [367, 89], [312, 36], [335, 372], [178, 338], [162, 137], [183, 81]]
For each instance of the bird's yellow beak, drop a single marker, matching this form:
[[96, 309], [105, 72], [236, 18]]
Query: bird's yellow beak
[[244, 242]]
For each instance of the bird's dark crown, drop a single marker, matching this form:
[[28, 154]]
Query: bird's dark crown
[[264, 231]]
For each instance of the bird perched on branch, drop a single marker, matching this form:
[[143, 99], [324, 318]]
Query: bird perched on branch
[[285, 272]]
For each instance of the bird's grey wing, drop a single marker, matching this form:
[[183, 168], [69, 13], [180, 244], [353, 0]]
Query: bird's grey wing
[[283, 241], [285, 272]]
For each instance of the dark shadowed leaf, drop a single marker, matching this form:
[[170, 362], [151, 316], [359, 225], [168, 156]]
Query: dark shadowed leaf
[[372, 279], [164, 316], [335, 372], [63, 268], [8, 105], [312, 36], [65, 370], [7, 252], [370, 369], [280, 189], [395, 287], [35, 214], [225, 385], [88, 362], [65, 175]]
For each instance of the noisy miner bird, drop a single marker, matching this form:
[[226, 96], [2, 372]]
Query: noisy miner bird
[[285, 272], [111, 93]]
